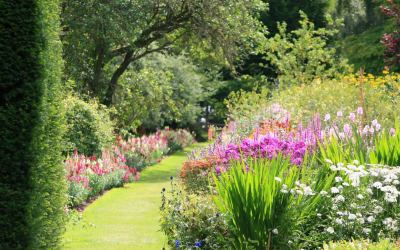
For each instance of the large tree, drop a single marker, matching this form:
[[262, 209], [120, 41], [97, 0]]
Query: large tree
[[102, 38]]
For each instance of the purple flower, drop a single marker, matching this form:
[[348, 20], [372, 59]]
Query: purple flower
[[205, 173]]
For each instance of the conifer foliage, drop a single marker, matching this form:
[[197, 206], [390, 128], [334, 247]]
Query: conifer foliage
[[32, 192]]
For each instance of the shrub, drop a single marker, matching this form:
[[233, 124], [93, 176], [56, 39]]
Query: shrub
[[32, 189], [193, 221], [89, 126]]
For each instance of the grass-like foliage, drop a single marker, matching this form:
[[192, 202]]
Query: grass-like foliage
[[252, 196]]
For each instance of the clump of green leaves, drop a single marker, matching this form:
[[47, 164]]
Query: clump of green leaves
[[383, 244], [302, 56], [89, 126]]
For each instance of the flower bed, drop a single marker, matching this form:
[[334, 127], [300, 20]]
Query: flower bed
[[291, 186], [88, 176]]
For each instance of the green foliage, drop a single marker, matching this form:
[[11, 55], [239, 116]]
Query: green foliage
[[160, 89], [192, 218], [328, 97], [365, 49], [89, 126], [383, 244], [254, 200], [100, 35], [304, 57], [32, 190], [387, 148]]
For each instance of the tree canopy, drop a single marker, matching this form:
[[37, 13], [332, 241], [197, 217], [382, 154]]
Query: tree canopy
[[99, 34]]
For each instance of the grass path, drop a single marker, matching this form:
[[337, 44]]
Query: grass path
[[127, 218]]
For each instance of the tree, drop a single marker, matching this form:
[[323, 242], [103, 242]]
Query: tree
[[98, 34], [32, 189], [301, 58]]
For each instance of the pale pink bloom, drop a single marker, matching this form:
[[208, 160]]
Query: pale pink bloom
[[327, 117], [374, 122], [392, 131], [371, 130], [352, 117], [347, 128], [360, 111], [378, 127], [339, 113]]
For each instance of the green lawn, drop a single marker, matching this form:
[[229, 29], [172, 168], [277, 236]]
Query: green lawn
[[127, 218]]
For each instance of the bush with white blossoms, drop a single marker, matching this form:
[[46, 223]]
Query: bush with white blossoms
[[363, 204]]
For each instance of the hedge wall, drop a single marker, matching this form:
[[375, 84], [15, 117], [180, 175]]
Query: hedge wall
[[32, 191]]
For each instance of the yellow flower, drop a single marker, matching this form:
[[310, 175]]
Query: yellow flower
[[385, 72]]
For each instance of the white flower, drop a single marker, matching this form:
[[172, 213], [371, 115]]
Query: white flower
[[361, 220], [284, 186], [339, 221], [387, 181], [396, 182], [319, 215], [292, 191], [278, 179], [323, 192], [386, 188], [377, 184], [284, 191], [339, 213], [299, 192], [371, 219], [340, 198], [345, 184], [297, 183], [328, 161], [360, 196], [335, 190], [290, 242], [338, 179], [330, 230], [275, 231], [352, 216], [390, 197], [366, 230], [333, 168], [369, 191], [340, 164], [355, 162], [377, 209], [308, 191]]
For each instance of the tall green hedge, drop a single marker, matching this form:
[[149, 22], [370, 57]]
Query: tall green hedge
[[32, 190]]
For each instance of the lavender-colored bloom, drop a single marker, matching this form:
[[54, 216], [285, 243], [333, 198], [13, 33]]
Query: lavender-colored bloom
[[205, 173], [339, 113], [374, 122], [347, 129], [392, 131], [378, 127]]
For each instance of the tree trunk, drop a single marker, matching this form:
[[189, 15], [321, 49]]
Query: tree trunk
[[114, 79], [98, 69]]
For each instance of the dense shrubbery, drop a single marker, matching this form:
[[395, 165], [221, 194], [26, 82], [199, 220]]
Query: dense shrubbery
[[89, 126], [32, 190]]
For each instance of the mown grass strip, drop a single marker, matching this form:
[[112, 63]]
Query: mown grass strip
[[127, 218]]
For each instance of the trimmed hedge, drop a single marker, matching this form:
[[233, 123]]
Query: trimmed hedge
[[32, 190]]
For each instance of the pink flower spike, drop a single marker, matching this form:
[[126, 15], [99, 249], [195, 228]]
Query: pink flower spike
[[327, 117], [392, 131], [374, 122], [360, 111], [371, 130], [339, 113], [378, 127], [352, 117]]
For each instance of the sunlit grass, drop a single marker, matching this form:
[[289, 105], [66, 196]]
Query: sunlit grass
[[127, 218]]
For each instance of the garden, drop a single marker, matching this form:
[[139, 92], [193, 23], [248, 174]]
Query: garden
[[171, 124]]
